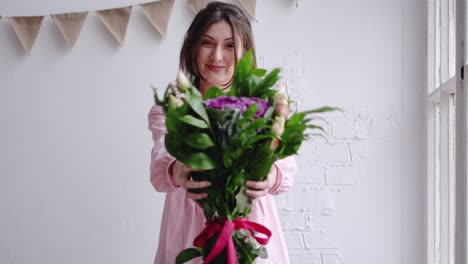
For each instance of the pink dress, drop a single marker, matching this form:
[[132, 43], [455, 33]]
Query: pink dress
[[183, 219]]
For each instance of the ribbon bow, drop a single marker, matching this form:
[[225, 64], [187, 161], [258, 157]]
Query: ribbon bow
[[226, 227]]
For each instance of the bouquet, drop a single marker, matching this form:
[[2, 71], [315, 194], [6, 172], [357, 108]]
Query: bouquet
[[231, 138]]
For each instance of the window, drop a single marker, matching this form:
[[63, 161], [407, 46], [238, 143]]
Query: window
[[447, 136]]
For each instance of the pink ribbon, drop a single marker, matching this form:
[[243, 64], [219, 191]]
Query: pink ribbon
[[226, 227]]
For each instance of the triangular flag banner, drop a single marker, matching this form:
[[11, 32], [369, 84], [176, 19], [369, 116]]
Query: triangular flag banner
[[158, 14], [249, 6], [70, 25], [26, 29], [116, 21], [197, 5]]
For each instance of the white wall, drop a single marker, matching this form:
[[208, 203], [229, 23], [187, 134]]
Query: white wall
[[74, 148]]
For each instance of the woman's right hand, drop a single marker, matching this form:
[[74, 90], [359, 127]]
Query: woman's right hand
[[181, 173]]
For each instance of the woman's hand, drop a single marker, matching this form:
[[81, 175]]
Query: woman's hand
[[260, 188], [182, 178]]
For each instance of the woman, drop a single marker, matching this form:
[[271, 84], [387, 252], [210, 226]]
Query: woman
[[216, 39]]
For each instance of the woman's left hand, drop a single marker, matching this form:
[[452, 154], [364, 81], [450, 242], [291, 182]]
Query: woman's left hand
[[260, 188]]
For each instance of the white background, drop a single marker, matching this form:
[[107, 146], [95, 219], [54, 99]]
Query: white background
[[74, 144]]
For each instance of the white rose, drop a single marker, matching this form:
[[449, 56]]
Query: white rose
[[183, 82], [175, 102], [278, 125]]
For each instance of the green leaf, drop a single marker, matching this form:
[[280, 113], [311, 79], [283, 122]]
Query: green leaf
[[237, 180], [271, 79], [245, 65], [259, 72], [191, 120], [242, 74], [316, 127], [199, 161], [227, 159], [250, 112], [259, 163], [243, 202], [174, 145], [188, 254], [212, 93], [194, 99], [156, 97], [255, 139], [264, 88], [257, 124], [322, 110], [269, 112], [172, 122], [198, 140], [295, 119]]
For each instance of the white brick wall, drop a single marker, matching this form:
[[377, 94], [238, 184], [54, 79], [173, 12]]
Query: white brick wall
[[326, 166], [350, 180], [356, 192]]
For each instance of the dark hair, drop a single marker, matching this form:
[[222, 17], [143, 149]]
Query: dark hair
[[214, 12]]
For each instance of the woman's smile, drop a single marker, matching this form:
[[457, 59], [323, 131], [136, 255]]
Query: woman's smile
[[215, 68], [216, 58]]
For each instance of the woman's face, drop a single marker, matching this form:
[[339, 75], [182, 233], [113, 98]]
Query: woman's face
[[216, 57]]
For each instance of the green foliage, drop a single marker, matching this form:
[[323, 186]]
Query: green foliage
[[199, 161], [294, 131], [188, 254], [199, 140], [195, 100], [191, 120], [230, 148], [253, 82], [212, 93]]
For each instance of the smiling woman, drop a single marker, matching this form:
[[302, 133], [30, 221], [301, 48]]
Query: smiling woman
[[218, 36], [74, 163], [216, 39], [216, 57]]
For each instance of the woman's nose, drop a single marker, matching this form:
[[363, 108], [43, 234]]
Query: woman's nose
[[217, 53]]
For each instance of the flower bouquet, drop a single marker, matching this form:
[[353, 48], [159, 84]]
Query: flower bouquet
[[231, 138]]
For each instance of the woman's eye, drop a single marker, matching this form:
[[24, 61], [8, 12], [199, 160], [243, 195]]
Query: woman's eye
[[230, 45], [207, 43]]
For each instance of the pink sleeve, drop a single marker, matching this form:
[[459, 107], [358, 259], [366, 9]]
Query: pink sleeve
[[161, 160], [286, 170]]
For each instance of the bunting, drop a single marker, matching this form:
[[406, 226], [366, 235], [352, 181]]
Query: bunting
[[197, 5], [26, 29], [116, 21], [70, 26], [249, 6], [158, 14]]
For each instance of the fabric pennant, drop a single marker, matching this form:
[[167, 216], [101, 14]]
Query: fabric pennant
[[158, 14], [249, 6], [70, 25], [26, 28], [197, 5], [116, 21]]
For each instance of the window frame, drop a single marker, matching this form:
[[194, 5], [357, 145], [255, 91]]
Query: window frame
[[446, 109]]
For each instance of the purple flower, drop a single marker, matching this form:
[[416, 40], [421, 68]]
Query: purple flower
[[241, 103]]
